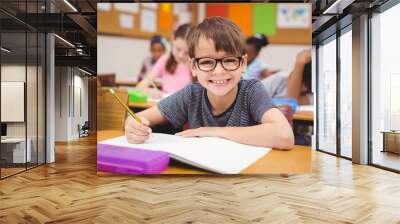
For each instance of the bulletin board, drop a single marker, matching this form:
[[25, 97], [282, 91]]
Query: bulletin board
[[282, 23], [143, 20]]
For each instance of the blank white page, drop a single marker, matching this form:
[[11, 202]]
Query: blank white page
[[210, 153]]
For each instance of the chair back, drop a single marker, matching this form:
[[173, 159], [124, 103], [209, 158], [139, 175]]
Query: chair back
[[110, 114]]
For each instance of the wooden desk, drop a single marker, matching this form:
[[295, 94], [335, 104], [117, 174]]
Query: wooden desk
[[126, 83], [304, 116], [15, 147], [297, 160], [146, 105]]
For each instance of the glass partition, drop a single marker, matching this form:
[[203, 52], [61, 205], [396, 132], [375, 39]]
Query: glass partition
[[327, 96], [385, 89], [346, 93]]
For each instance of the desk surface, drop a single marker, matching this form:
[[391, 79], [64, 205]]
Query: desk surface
[[304, 116], [297, 160], [146, 105]]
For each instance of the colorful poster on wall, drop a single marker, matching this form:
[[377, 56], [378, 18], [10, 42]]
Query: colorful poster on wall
[[165, 19], [241, 14], [293, 16], [214, 9], [264, 19], [166, 7]]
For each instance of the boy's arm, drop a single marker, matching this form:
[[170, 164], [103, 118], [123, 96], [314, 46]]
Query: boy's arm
[[274, 132], [153, 115]]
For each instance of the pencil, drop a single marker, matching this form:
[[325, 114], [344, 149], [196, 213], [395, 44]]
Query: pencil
[[126, 107]]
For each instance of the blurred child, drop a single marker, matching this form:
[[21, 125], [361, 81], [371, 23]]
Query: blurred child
[[256, 69], [296, 84], [221, 104], [158, 46], [173, 69]]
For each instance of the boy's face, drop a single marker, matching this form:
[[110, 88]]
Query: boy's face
[[218, 81]]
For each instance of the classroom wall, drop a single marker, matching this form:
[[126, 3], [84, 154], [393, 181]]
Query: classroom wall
[[123, 56], [71, 87]]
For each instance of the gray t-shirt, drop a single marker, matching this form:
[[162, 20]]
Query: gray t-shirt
[[191, 105]]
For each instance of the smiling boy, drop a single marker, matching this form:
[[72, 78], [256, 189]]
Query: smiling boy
[[221, 104]]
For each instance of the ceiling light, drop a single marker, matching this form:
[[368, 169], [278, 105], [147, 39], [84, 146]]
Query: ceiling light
[[65, 41], [70, 5], [337, 7], [84, 71], [5, 50]]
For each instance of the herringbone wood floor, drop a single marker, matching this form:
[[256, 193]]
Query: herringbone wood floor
[[69, 191]]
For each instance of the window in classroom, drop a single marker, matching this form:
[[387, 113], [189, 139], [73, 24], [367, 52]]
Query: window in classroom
[[385, 89], [346, 94], [327, 96]]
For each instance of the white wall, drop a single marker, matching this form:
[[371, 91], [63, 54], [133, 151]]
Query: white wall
[[123, 56], [279, 56], [68, 83]]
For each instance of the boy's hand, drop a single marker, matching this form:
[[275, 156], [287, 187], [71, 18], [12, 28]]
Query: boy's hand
[[200, 132], [135, 132]]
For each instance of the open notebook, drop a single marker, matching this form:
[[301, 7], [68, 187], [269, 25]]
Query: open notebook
[[209, 153]]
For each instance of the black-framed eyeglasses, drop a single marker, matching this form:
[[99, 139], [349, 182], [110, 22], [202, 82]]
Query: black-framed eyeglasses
[[230, 63]]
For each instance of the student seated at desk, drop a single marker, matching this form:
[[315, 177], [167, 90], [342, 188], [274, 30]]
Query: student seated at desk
[[256, 68], [297, 84], [221, 104], [158, 47], [173, 69]]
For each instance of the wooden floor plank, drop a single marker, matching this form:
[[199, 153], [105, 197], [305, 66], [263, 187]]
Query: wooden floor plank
[[69, 191]]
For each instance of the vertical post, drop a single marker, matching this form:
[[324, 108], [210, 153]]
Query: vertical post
[[360, 90], [50, 92]]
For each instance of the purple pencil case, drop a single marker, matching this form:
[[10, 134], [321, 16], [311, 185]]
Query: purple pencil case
[[123, 160]]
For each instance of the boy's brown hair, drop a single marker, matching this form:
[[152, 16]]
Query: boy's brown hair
[[225, 34]]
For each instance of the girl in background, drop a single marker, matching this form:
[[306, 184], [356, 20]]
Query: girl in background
[[256, 69], [173, 69], [158, 46]]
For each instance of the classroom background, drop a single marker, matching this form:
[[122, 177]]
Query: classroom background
[[124, 31]]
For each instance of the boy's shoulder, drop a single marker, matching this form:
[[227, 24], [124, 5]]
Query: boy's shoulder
[[247, 84], [195, 87]]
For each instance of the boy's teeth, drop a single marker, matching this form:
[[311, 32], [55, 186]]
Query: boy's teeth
[[219, 81]]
